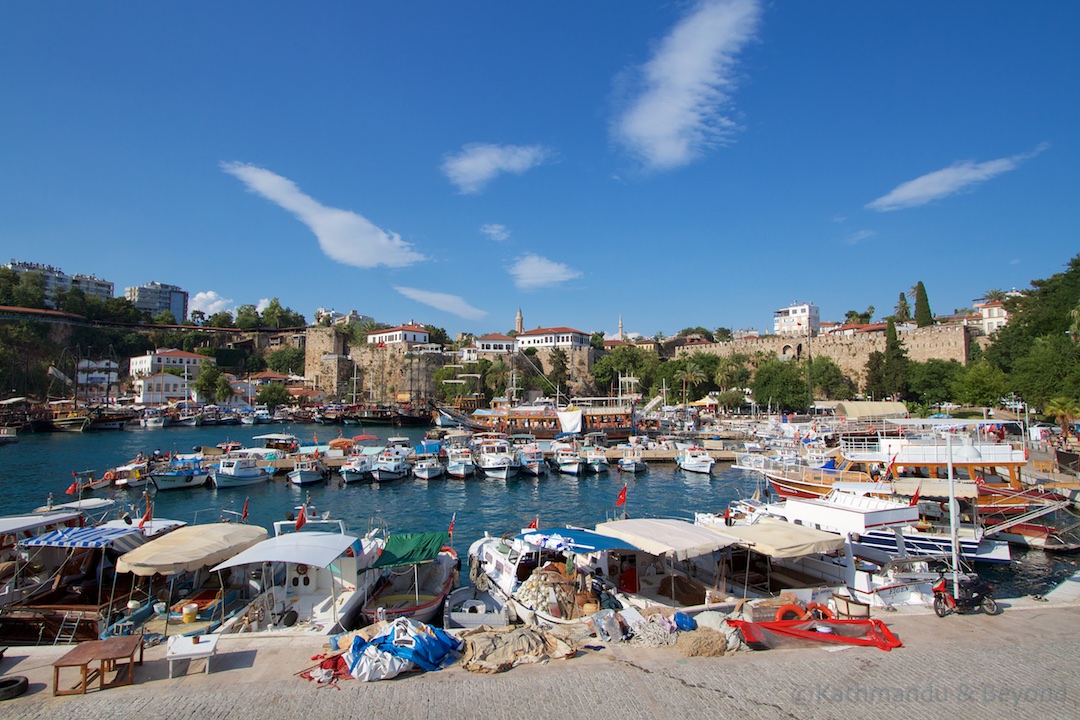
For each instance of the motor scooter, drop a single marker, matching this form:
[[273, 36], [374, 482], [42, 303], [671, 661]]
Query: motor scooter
[[975, 594]]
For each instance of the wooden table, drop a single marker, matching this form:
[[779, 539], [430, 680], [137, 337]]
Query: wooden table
[[108, 653]]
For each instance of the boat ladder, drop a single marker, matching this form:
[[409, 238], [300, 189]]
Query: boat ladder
[[1038, 512], [69, 626]]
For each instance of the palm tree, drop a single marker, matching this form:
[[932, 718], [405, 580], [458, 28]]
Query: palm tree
[[995, 295], [691, 374], [1065, 410], [903, 309], [497, 375]]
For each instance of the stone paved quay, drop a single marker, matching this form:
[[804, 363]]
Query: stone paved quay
[[1021, 664]]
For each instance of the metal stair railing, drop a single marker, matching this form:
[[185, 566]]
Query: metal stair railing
[[69, 626], [1037, 512]]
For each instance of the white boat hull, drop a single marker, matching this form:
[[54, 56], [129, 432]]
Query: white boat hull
[[179, 481]]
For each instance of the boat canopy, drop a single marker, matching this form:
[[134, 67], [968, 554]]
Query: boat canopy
[[86, 505], [676, 539], [411, 549], [121, 539], [317, 549], [21, 523], [190, 548], [575, 540], [150, 528], [781, 539]]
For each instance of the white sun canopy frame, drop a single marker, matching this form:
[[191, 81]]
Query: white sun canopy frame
[[317, 549], [676, 539], [190, 548]]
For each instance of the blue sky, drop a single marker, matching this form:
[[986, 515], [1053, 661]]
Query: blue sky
[[679, 164]]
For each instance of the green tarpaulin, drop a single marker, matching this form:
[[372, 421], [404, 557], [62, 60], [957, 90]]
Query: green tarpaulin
[[411, 549]]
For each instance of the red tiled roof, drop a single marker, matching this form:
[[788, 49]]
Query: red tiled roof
[[497, 337], [412, 328], [182, 354]]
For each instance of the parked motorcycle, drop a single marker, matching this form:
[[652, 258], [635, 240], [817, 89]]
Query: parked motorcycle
[[975, 594]]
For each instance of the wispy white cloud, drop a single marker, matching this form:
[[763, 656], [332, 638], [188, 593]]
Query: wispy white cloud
[[532, 271], [956, 178], [443, 301], [210, 302], [857, 237], [345, 236], [479, 163], [686, 86], [495, 231], [262, 304]]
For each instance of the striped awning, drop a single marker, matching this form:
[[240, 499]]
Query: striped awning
[[120, 539]]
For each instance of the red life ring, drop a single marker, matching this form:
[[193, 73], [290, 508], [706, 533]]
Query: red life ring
[[301, 569], [785, 610], [819, 612], [110, 476]]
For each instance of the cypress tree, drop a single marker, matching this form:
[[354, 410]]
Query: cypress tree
[[923, 316]]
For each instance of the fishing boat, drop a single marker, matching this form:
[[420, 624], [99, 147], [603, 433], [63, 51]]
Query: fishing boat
[[176, 568], [594, 453], [459, 462], [393, 462], [357, 468], [422, 571], [632, 460], [495, 457], [529, 453], [311, 581], [567, 459], [428, 468], [308, 470], [130, 475], [183, 471], [238, 471], [695, 459]]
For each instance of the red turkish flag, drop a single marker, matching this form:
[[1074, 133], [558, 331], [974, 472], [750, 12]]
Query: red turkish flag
[[535, 524], [622, 497], [301, 519]]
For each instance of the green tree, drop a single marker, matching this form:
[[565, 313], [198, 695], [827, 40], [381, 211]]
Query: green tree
[[875, 376], [273, 395], [165, 317], [931, 382], [691, 375], [198, 317], [1064, 410], [596, 340], [923, 316], [855, 317], [731, 400], [206, 383], [994, 295], [221, 319], [830, 382], [247, 317], [780, 383], [703, 332], [723, 334], [902, 309], [1039, 375], [271, 314], [980, 385], [894, 372], [25, 289], [223, 389], [624, 360], [497, 376], [437, 335], [559, 373], [286, 360]]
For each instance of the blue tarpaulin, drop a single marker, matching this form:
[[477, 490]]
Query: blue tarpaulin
[[575, 540]]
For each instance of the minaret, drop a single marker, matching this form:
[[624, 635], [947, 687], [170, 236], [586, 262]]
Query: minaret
[[620, 328], [519, 323]]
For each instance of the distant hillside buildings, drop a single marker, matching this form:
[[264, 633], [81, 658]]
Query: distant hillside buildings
[[57, 281], [154, 297]]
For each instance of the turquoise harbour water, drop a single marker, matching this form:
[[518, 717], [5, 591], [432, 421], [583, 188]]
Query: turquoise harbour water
[[42, 464]]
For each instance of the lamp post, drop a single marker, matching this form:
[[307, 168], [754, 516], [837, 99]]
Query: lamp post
[[954, 525]]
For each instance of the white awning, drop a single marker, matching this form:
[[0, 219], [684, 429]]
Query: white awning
[[190, 548], [781, 539], [21, 523], [676, 539], [317, 549]]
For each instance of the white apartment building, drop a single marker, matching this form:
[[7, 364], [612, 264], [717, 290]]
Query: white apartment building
[[557, 337], [495, 343], [797, 319], [57, 281], [157, 361], [410, 333], [153, 297], [160, 388]]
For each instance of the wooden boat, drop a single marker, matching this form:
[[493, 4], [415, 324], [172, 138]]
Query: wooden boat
[[423, 570]]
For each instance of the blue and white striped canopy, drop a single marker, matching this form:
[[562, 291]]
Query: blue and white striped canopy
[[120, 539]]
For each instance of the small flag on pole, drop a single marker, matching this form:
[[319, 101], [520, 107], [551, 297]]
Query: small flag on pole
[[243, 515], [915, 497], [450, 530], [622, 497], [301, 519], [74, 486], [535, 524]]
